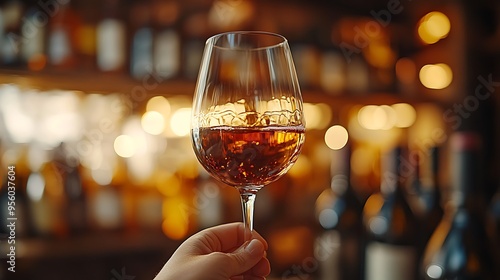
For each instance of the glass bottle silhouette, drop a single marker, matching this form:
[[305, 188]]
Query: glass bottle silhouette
[[339, 247], [392, 237], [459, 248]]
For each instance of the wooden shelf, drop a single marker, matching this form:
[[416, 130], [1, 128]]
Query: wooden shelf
[[92, 82]]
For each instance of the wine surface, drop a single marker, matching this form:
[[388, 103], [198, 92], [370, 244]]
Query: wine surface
[[247, 156]]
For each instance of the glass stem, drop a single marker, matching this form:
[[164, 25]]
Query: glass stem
[[247, 205]]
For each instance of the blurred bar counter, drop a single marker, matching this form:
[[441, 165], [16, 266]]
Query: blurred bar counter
[[90, 256]]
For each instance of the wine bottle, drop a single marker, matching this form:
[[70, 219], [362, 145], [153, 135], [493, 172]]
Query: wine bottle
[[86, 37], [111, 39], [429, 194], [426, 192], [167, 40], [392, 245], [195, 30], [494, 225], [339, 248], [46, 208], [13, 197], [141, 59], [357, 76], [61, 38], [67, 167], [333, 76], [307, 58], [13, 193], [459, 248], [14, 206], [32, 49], [106, 208], [11, 37]]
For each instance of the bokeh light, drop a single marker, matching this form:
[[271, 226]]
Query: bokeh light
[[362, 159], [374, 131], [336, 137], [35, 186], [436, 76], [326, 216], [125, 146], [365, 115], [159, 104], [318, 116], [168, 184], [433, 27], [227, 14], [429, 128], [102, 176], [175, 218], [181, 122], [375, 117], [380, 55], [405, 114], [301, 168], [153, 122]]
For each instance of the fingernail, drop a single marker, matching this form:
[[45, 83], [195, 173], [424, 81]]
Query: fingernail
[[254, 247]]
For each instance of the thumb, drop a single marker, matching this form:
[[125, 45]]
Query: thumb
[[245, 257]]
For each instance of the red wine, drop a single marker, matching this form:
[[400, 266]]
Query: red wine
[[247, 156]]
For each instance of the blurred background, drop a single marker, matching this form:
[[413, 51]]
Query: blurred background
[[95, 101]]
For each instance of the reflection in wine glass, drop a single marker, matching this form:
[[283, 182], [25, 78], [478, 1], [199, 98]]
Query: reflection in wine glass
[[247, 123]]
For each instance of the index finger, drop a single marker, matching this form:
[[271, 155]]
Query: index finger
[[227, 237]]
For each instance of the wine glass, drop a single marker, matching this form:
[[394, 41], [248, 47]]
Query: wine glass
[[247, 123]]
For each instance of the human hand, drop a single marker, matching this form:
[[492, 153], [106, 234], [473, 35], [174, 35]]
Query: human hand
[[217, 253]]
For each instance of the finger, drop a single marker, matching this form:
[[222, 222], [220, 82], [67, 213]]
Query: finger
[[251, 277], [226, 237], [245, 257], [259, 237], [218, 238], [262, 268], [247, 277]]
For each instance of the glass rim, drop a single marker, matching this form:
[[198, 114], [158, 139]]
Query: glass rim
[[211, 40]]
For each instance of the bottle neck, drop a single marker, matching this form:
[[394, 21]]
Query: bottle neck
[[391, 172], [340, 170], [430, 178], [466, 179]]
